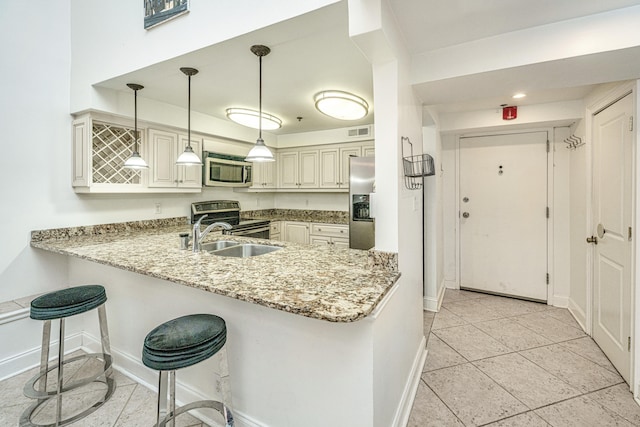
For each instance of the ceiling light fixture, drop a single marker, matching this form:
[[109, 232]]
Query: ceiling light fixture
[[188, 157], [260, 152], [250, 118], [519, 95], [135, 161], [341, 105]]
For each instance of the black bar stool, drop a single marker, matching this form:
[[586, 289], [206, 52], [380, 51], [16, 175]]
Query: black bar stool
[[60, 305], [183, 342]]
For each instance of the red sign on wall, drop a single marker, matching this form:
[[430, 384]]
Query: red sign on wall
[[509, 113]]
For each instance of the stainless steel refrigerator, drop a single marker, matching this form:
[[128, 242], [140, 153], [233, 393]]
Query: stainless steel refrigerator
[[361, 185]]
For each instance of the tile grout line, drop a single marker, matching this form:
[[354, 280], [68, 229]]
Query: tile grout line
[[442, 401]]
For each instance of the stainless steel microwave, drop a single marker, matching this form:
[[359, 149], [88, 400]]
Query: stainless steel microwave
[[221, 170]]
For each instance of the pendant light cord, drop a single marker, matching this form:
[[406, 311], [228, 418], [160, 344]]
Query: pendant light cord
[[189, 114], [260, 100], [135, 120]]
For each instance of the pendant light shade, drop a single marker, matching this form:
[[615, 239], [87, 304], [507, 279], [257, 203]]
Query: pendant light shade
[[188, 157], [260, 152], [135, 161]]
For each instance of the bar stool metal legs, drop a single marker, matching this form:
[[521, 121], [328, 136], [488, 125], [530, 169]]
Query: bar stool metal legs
[[180, 343], [51, 307]]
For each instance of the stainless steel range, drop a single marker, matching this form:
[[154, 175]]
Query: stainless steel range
[[229, 211]]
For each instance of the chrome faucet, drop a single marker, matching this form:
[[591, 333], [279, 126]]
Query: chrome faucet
[[198, 236]]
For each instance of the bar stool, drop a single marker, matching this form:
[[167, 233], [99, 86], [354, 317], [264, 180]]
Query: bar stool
[[60, 305], [183, 342]]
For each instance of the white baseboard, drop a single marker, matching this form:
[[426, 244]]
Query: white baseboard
[[409, 393], [578, 314], [451, 284], [433, 304], [29, 359], [560, 301]]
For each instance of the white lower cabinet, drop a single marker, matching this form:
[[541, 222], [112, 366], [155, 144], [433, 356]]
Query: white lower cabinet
[[275, 230], [296, 232], [329, 234]]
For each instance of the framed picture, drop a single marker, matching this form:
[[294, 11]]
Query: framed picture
[[158, 11]]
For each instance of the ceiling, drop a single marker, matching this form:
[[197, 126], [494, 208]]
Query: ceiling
[[313, 52]]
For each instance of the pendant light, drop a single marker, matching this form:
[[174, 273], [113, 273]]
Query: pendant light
[[260, 152], [188, 157], [135, 161]]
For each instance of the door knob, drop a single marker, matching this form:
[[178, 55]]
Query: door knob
[[465, 214], [600, 231], [592, 239]]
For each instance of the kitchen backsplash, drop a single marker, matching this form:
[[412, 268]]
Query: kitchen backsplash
[[101, 229], [327, 217]]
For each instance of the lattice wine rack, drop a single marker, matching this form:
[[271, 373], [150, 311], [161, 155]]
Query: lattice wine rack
[[112, 146]]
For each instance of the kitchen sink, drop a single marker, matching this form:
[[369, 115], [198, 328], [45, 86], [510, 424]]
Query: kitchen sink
[[246, 250], [220, 244]]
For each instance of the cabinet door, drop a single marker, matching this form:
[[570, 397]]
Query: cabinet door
[[320, 240], [256, 174], [162, 154], [368, 150], [190, 176], [308, 170], [296, 232], [269, 174], [345, 154], [340, 243], [288, 170], [329, 168]]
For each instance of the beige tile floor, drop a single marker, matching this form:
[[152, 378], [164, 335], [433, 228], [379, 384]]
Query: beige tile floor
[[495, 361], [492, 361]]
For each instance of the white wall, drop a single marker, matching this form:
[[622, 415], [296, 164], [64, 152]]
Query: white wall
[[35, 126], [578, 184], [434, 281], [108, 38]]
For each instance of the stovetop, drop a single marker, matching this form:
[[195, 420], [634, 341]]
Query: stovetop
[[223, 211]]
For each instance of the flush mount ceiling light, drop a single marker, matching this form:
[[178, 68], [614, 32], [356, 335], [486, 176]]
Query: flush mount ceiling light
[[250, 118], [519, 95], [135, 161], [188, 157], [341, 105], [260, 152]]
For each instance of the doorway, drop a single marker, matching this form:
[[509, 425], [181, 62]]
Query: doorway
[[612, 213], [503, 214]]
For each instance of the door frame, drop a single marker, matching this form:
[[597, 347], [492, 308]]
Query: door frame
[[550, 198], [593, 108]]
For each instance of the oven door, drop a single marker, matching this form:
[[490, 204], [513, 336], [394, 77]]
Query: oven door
[[261, 232], [227, 173]]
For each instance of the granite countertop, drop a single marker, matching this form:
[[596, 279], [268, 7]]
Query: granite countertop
[[322, 282]]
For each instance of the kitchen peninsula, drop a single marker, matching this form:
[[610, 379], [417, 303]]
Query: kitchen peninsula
[[309, 326]]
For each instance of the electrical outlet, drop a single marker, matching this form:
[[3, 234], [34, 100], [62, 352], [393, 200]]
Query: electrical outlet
[[158, 208]]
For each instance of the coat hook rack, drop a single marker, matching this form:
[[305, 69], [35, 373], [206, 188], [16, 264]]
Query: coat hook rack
[[415, 167], [573, 142]]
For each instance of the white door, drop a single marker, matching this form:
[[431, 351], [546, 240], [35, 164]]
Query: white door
[[612, 185], [503, 214]]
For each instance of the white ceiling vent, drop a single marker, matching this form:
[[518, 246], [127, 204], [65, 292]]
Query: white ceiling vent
[[359, 132]]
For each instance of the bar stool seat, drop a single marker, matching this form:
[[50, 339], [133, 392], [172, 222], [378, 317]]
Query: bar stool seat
[[180, 343], [60, 305]]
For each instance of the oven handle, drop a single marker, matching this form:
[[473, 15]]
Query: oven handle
[[248, 231]]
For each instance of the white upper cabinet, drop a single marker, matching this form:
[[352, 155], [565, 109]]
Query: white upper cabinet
[[164, 149], [334, 166], [100, 149], [368, 149], [298, 169], [264, 175]]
